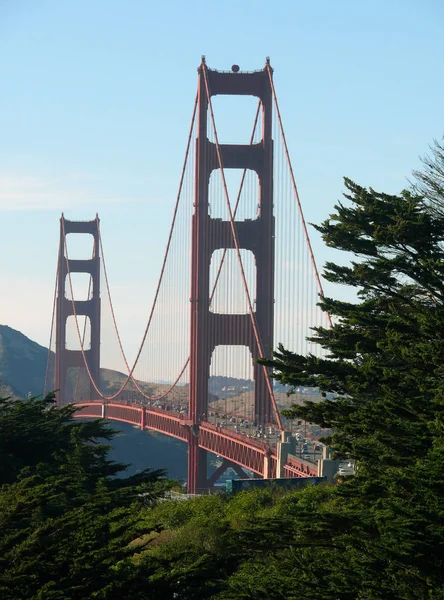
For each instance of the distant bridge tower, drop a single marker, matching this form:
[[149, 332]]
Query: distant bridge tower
[[64, 358], [209, 329]]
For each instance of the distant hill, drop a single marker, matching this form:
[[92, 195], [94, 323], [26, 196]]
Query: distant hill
[[226, 387], [22, 363], [23, 367]]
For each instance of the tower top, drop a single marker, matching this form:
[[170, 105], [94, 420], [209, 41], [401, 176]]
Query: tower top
[[235, 68]]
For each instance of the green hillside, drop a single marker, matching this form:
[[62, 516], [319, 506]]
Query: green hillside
[[22, 364], [23, 367], [111, 381], [6, 391]]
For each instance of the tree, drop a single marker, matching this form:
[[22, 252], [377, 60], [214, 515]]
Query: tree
[[66, 521], [382, 380], [430, 180]]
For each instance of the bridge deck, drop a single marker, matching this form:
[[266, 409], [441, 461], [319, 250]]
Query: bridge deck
[[240, 449]]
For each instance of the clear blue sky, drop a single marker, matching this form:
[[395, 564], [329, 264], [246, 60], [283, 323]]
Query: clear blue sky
[[96, 98]]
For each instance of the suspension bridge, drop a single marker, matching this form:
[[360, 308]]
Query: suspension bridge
[[238, 276]]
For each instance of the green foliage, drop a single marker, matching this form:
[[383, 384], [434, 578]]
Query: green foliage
[[429, 181], [381, 376], [66, 521]]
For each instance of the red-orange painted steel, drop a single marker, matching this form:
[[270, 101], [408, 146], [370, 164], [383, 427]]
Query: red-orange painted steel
[[67, 307], [246, 452], [209, 330], [89, 410]]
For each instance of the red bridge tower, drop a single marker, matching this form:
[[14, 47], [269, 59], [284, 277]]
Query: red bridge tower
[[65, 359], [209, 329]]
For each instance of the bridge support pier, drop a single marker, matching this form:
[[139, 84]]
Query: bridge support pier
[[283, 449], [197, 465], [327, 467], [226, 464], [267, 465]]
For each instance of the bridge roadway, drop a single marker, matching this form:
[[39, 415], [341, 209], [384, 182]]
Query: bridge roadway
[[252, 454]]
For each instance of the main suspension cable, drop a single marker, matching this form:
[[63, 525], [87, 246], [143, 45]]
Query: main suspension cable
[[54, 304], [241, 185], [84, 325]]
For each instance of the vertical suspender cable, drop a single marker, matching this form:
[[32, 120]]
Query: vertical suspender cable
[[83, 339], [130, 375], [45, 389], [295, 189], [236, 244], [236, 206]]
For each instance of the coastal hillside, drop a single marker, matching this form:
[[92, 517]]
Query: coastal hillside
[[22, 364]]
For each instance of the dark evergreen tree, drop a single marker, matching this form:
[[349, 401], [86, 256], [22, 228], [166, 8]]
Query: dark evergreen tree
[[66, 521], [429, 181], [381, 376]]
